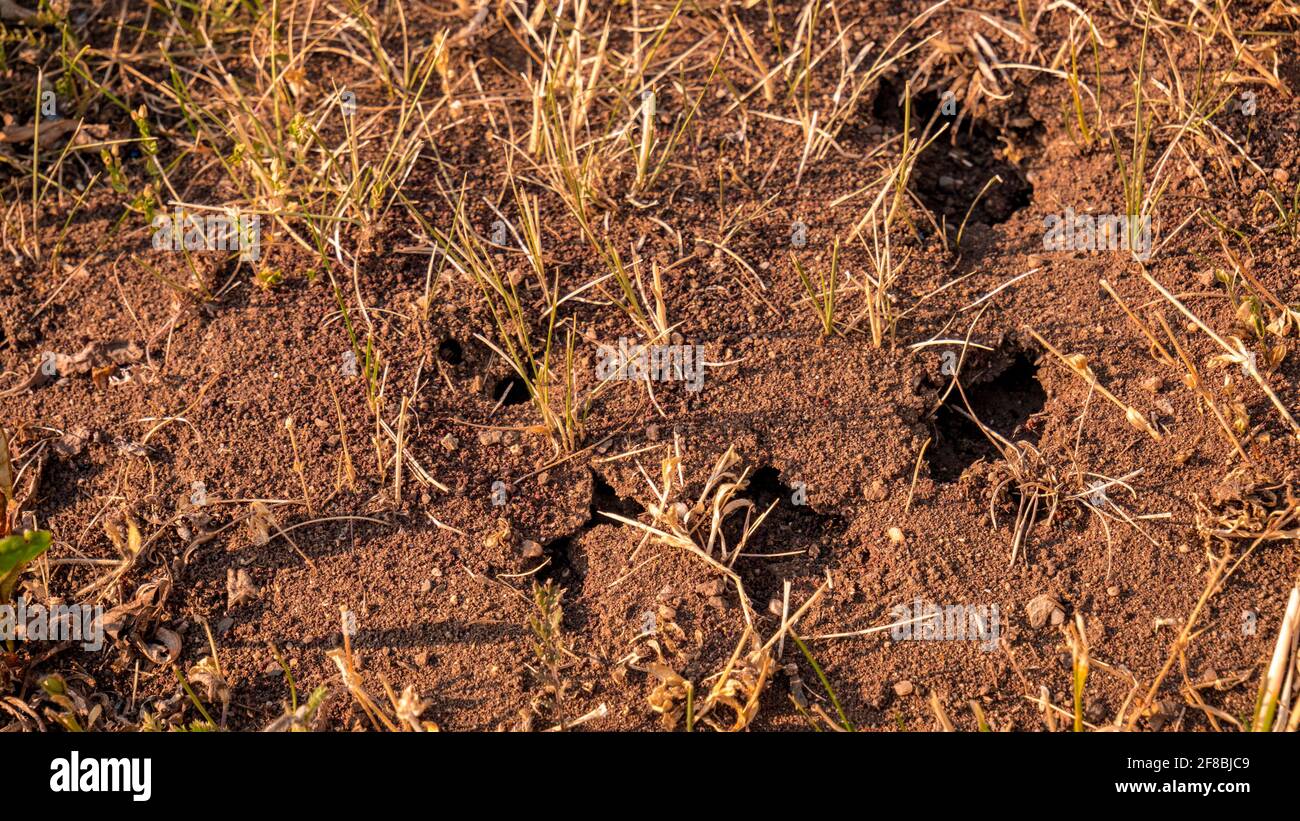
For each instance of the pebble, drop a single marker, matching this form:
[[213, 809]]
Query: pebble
[[904, 688], [450, 442], [1153, 385], [532, 550], [1281, 175], [875, 492], [426, 586], [1042, 608], [896, 535], [1112, 591]]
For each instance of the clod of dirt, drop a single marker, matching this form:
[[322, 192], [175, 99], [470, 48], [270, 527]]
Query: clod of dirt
[[239, 588], [72, 442]]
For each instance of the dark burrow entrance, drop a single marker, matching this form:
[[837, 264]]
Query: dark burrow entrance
[[951, 173], [451, 352], [793, 525], [510, 390], [1003, 397], [564, 567]]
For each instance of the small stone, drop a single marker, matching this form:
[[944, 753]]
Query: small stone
[[532, 550], [1112, 591], [450, 442], [1153, 385], [426, 586], [515, 450], [1043, 607], [652, 433], [904, 688], [1281, 175], [225, 624], [896, 535], [543, 478], [489, 437], [717, 602], [875, 492], [1058, 617]]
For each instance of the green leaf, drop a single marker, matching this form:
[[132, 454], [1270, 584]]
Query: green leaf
[[15, 552]]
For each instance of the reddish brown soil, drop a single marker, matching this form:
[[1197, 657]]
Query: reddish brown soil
[[448, 614]]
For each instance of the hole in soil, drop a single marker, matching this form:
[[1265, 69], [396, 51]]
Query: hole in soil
[[948, 177], [604, 497], [765, 486], [792, 526], [563, 566], [451, 352], [512, 388], [792, 509], [1003, 398]]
